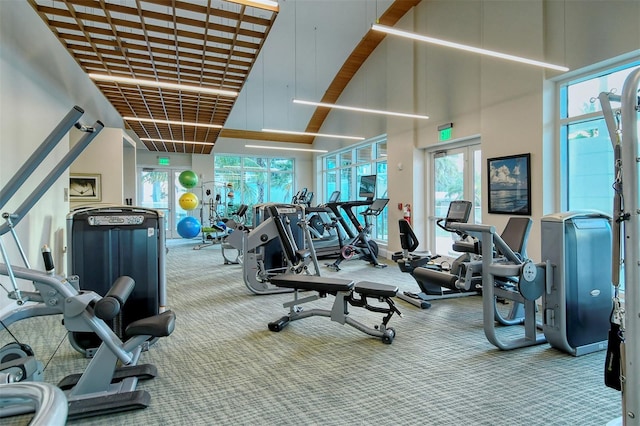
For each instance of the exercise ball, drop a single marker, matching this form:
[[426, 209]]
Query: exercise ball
[[189, 227], [188, 201], [188, 179]]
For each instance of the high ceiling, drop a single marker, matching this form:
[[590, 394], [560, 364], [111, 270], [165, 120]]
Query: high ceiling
[[216, 44]]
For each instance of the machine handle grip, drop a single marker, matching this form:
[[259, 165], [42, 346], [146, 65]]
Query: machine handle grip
[[48, 259]]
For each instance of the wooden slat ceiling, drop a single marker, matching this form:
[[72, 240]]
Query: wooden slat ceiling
[[213, 44], [168, 41]]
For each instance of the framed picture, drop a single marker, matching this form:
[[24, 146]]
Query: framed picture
[[509, 184], [85, 187]]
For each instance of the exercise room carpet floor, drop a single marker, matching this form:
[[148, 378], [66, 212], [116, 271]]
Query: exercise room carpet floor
[[222, 366]]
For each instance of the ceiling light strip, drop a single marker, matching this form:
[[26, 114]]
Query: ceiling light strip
[[179, 123], [324, 135], [260, 4], [162, 85], [286, 149], [358, 109], [175, 141], [426, 39]]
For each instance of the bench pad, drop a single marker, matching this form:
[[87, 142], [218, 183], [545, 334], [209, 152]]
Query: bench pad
[[312, 282], [376, 289]]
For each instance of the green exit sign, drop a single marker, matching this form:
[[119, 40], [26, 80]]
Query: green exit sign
[[163, 161], [445, 135], [445, 132]]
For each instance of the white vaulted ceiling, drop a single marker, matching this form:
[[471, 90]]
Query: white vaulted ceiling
[[307, 49]]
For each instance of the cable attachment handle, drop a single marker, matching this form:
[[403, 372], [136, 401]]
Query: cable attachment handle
[[617, 315]]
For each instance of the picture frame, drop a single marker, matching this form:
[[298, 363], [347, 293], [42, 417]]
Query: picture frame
[[85, 187], [509, 184]]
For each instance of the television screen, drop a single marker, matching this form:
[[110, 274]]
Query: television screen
[[367, 187]]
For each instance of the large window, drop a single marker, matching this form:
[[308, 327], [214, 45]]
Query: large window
[[588, 159], [587, 149], [254, 180], [341, 171]]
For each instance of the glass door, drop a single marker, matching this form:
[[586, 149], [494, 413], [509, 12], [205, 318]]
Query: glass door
[[455, 175], [161, 190]]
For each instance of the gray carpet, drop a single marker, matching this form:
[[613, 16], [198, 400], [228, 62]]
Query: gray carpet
[[222, 366]]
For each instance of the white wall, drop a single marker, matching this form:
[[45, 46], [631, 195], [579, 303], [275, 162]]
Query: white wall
[[510, 105], [104, 156], [39, 84]]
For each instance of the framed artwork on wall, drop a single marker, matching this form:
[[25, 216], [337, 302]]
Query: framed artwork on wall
[[509, 184], [85, 187]]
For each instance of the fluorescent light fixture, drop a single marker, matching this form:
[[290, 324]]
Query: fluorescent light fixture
[[179, 123], [413, 36], [350, 108], [261, 4], [162, 85], [324, 135], [286, 149], [175, 141]]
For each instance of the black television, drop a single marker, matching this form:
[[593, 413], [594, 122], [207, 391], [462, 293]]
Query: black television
[[367, 187]]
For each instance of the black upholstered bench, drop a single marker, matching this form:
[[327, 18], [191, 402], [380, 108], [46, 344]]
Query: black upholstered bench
[[372, 289], [343, 290], [312, 282]]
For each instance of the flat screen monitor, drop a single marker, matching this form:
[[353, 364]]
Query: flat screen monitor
[[335, 196], [459, 211], [367, 187]]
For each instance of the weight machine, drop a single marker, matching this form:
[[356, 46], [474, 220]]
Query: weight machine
[[103, 387], [624, 337], [278, 244], [214, 226]]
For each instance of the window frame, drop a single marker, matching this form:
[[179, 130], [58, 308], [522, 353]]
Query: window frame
[[357, 167]]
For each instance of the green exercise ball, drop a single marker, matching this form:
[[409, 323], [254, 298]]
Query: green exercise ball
[[188, 179]]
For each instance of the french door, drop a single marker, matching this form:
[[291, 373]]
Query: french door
[[160, 189], [455, 174]]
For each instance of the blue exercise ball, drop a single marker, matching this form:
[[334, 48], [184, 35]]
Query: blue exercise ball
[[189, 227]]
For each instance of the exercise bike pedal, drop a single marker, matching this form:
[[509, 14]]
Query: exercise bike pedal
[[142, 372]]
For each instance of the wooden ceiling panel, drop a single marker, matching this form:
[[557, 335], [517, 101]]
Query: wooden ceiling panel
[[212, 45]]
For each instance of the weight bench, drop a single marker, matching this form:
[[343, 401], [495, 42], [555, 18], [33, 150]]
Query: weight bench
[[345, 292]]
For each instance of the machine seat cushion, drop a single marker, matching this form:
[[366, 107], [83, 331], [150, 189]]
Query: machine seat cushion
[[160, 325], [369, 288], [303, 254], [467, 247], [312, 282]]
